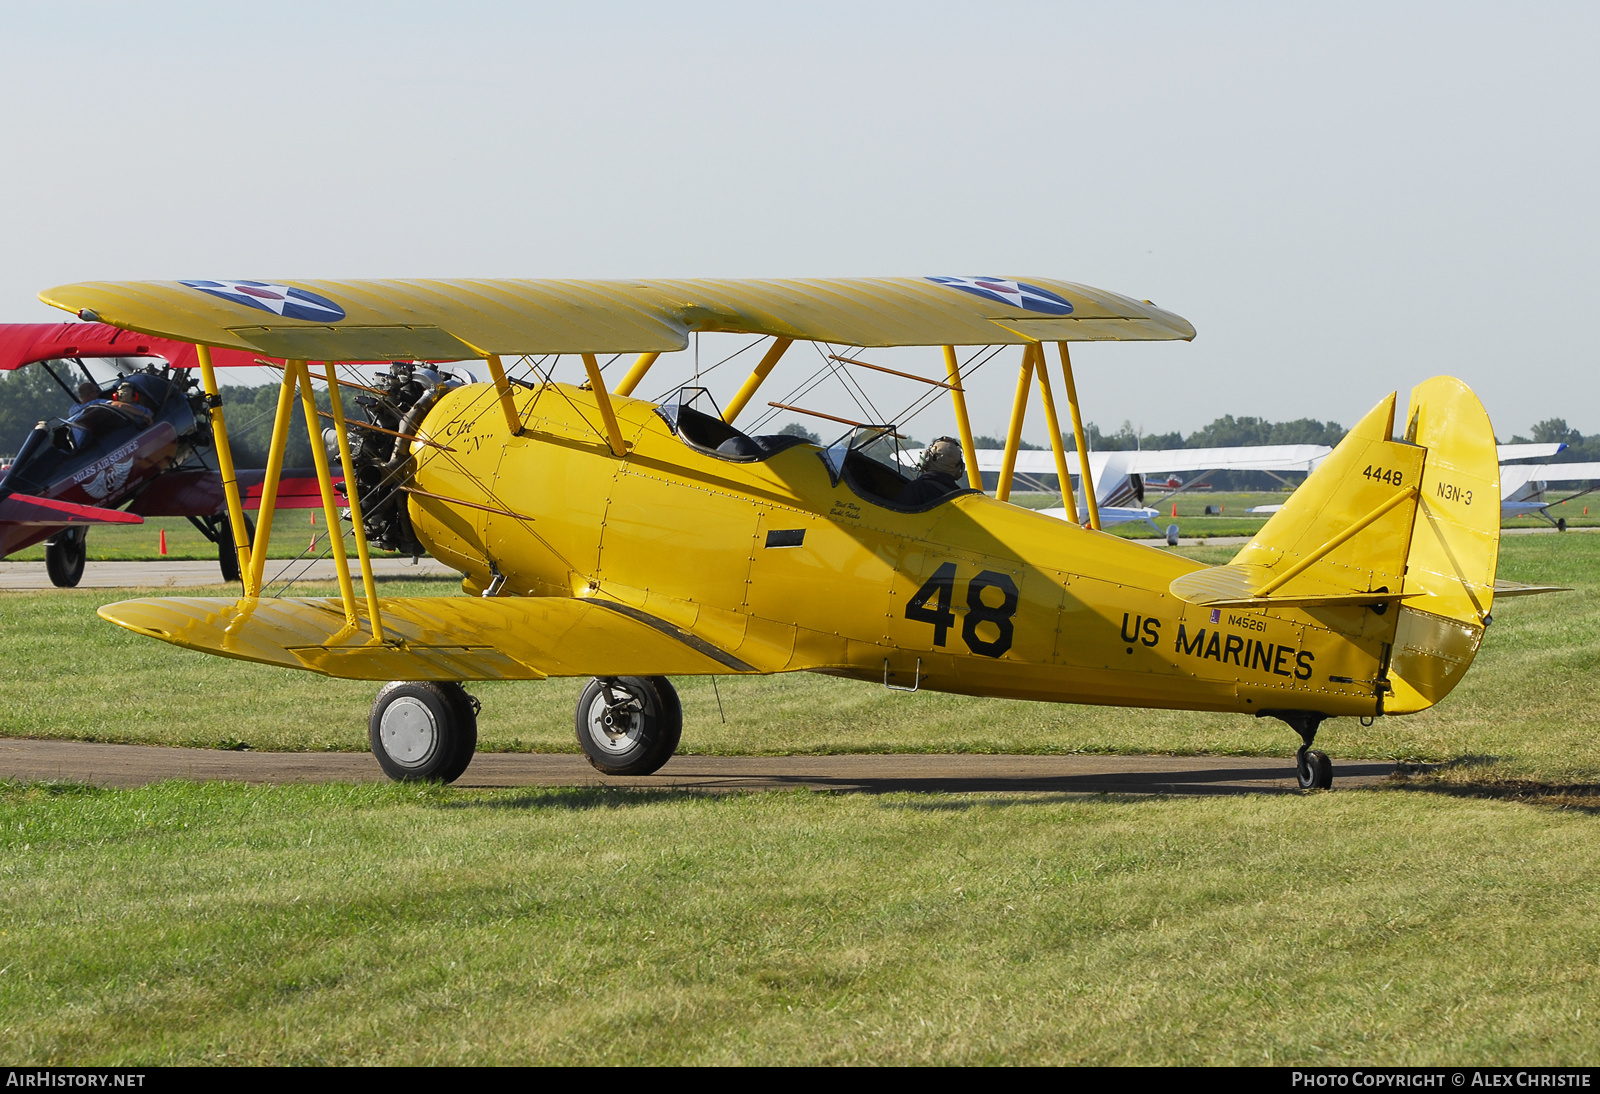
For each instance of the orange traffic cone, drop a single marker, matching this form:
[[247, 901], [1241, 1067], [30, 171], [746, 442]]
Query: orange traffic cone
[[313, 546], [313, 518], [163, 543], [1174, 508]]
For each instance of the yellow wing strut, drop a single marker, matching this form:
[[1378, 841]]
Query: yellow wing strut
[[1056, 447], [508, 402], [742, 398], [1089, 498], [641, 365], [330, 506], [602, 398], [269, 488], [353, 496], [1019, 409], [230, 477], [958, 399]]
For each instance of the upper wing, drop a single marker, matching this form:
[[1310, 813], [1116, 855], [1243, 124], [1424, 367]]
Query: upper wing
[[24, 343], [459, 320], [1565, 472], [1515, 475], [433, 637], [1262, 457], [1528, 451]]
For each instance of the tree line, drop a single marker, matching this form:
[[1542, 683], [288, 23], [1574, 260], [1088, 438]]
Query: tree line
[[29, 395]]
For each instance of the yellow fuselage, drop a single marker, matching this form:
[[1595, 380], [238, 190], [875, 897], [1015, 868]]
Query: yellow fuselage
[[974, 595]]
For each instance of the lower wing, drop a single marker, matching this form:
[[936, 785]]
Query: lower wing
[[433, 638]]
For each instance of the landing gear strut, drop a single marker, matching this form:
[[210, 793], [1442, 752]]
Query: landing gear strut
[[1312, 768]]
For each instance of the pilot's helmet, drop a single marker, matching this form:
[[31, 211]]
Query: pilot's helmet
[[943, 455]]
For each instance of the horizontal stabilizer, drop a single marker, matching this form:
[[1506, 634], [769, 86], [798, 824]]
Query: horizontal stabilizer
[[1502, 587], [431, 637], [1237, 586], [49, 513]]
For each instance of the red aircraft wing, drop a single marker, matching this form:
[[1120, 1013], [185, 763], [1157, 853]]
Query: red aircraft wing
[[46, 512], [198, 493], [24, 343]]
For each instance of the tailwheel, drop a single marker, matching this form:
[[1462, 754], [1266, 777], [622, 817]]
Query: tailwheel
[[423, 731], [1313, 769], [629, 725], [64, 556]]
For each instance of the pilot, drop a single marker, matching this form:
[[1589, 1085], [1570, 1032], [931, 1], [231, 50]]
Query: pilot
[[941, 464], [128, 400], [89, 391]]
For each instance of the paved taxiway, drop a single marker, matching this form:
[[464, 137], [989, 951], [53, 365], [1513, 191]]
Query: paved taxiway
[[137, 765]]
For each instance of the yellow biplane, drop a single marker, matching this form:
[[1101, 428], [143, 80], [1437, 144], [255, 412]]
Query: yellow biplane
[[605, 536]]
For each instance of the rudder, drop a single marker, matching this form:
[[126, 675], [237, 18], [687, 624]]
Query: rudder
[[1455, 545]]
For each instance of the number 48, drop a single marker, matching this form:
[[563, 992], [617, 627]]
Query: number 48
[[940, 590]]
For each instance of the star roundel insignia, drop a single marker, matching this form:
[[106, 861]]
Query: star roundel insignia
[[1016, 294], [284, 300]]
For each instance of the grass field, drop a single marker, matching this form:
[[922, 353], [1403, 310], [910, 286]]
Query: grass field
[[1443, 919], [377, 924]]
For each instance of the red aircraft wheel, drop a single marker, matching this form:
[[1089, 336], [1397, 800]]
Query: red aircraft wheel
[[629, 725]]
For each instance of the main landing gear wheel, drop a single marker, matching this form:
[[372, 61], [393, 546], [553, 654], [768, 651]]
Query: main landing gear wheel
[[423, 731], [64, 556], [1313, 769], [629, 725], [227, 555]]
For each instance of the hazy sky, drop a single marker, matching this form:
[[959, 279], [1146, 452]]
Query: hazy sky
[[1343, 200]]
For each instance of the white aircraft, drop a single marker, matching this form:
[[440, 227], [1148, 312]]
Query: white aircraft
[[1119, 477], [1522, 488], [1523, 485]]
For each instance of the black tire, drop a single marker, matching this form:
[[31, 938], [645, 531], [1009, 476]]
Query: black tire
[[227, 556], [422, 731], [1313, 769], [629, 725], [467, 708], [64, 556], [1561, 524]]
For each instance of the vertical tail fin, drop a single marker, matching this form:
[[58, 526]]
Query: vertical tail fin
[[1367, 470]]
